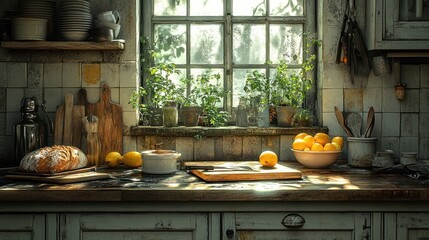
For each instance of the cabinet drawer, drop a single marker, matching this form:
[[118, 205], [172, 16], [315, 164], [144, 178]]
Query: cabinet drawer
[[140, 226], [300, 225]]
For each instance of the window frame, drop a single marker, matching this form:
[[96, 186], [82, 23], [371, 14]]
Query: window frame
[[308, 20]]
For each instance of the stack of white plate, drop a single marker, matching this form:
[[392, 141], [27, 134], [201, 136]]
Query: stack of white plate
[[37, 9], [44, 9], [75, 20]]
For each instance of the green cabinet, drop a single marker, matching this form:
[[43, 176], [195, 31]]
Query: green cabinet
[[296, 225], [22, 226], [406, 226], [393, 25]]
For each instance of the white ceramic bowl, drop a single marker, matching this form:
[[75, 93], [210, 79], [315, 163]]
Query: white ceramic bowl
[[159, 161], [316, 159], [75, 35], [114, 26], [29, 28]]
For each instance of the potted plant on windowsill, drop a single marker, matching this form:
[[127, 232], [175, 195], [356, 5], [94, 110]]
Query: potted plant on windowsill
[[291, 86], [303, 118], [257, 92], [210, 93], [189, 108]]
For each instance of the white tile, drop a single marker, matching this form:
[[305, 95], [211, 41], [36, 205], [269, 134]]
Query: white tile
[[2, 124], [411, 102], [409, 125], [390, 143], [3, 77], [390, 103], [125, 94], [93, 95], [53, 98], [3, 99], [13, 99], [372, 97], [424, 100], [410, 74], [391, 124], [353, 100], [424, 149], [409, 144], [129, 144], [114, 95], [110, 74], [333, 75], [130, 119], [424, 124], [330, 121], [16, 74], [71, 75], [35, 75], [424, 75], [331, 98], [52, 75], [375, 81], [128, 76]]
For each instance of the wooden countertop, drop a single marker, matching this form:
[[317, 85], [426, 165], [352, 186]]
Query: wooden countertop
[[338, 183]]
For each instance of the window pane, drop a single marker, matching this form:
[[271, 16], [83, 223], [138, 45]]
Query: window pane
[[195, 72], [249, 44], [287, 8], [207, 44], [170, 7], [206, 8], [239, 80], [170, 43], [286, 43], [248, 7]]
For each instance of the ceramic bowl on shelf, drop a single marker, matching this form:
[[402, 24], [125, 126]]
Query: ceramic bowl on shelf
[[316, 159], [29, 28], [75, 35]]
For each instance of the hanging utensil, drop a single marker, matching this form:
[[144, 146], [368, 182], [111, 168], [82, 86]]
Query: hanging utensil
[[340, 119], [369, 123], [354, 123]]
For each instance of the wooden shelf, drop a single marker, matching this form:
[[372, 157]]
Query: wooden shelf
[[63, 45]]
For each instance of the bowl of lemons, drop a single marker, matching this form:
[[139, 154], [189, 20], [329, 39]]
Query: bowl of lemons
[[318, 151]]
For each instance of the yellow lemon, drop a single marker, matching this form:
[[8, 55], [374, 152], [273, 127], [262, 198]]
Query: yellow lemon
[[336, 146], [339, 141], [268, 159], [299, 144], [317, 147], [329, 147], [309, 140], [113, 159], [300, 136], [322, 138], [132, 159], [307, 149]]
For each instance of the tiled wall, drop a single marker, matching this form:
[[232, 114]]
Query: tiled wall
[[401, 126], [50, 75]]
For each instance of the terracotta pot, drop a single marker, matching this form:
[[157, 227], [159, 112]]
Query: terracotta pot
[[285, 115], [190, 115]]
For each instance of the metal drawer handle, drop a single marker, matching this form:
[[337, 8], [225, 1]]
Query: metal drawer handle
[[293, 220]]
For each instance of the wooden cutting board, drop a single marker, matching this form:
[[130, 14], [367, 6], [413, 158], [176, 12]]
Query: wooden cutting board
[[68, 123], [278, 172], [110, 122], [78, 175]]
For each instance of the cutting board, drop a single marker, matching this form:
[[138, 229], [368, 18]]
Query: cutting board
[[68, 123], [110, 122], [79, 175], [278, 172]]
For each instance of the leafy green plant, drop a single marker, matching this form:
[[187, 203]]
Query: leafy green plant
[[291, 86], [257, 88], [302, 117], [210, 92]]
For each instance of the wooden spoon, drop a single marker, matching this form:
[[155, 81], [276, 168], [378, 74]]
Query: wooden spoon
[[340, 119], [354, 122], [369, 123]]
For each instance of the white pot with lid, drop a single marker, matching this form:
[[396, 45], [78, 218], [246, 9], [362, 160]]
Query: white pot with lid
[[159, 161]]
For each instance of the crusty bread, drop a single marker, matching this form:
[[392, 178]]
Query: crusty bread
[[58, 158]]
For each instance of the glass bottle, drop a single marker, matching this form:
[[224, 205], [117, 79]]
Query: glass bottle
[[171, 115], [241, 114]]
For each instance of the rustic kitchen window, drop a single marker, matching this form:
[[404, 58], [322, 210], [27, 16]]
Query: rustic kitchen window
[[230, 37]]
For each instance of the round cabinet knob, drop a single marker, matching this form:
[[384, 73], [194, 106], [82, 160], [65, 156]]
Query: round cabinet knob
[[293, 220], [229, 233]]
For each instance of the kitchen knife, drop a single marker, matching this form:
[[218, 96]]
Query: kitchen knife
[[222, 168]]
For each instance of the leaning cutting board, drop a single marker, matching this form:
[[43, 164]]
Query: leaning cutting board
[[68, 123], [278, 172], [110, 122]]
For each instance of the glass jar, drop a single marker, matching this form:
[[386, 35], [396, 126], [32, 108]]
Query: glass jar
[[171, 115]]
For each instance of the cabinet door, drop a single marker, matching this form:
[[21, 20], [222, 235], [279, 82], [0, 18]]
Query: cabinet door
[[22, 226], [296, 226], [129, 226], [412, 226]]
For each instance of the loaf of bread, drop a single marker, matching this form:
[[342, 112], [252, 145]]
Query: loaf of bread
[[58, 158]]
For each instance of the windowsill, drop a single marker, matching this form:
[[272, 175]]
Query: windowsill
[[182, 131]]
